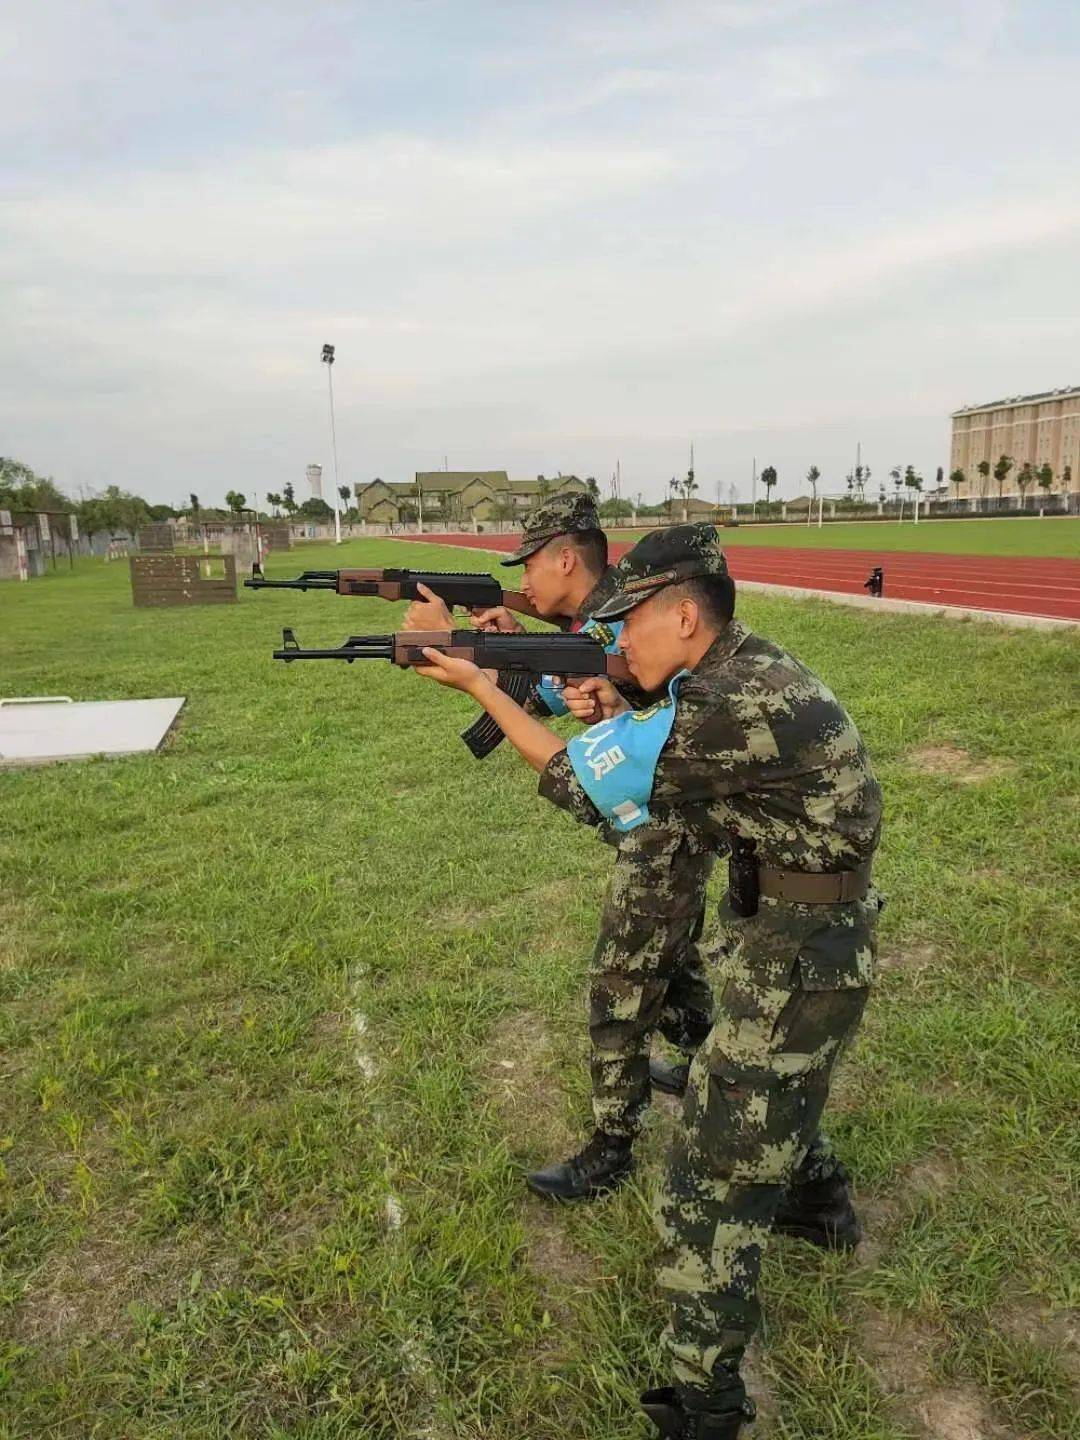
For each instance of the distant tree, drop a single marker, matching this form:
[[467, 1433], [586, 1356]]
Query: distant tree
[[288, 498], [161, 512], [315, 509], [686, 488], [344, 496], [849, 481], [193, 506], [912, 479], [958, 478], [983, 468], [768, 479], [940, 479], [813, 475], [1001, 469], [274, 501], [1046, 479], [235, 501], [92, 517], [615, 509], [125, 511], [22, 489], [1025, 476], [896, 475]]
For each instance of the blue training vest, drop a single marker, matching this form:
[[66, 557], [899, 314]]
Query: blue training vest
[[616, 760]]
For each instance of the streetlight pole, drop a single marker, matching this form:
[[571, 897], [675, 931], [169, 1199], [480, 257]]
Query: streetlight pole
[[328, 361]]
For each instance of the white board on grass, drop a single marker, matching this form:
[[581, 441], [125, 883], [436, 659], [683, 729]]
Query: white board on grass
[[40, 729]]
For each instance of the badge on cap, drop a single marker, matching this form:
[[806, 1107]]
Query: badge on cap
[[644, 582]]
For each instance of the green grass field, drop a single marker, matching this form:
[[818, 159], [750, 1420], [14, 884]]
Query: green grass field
[[1022, 536], [286, 1009]]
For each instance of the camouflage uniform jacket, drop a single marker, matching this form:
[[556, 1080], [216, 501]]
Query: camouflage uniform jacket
[[760, 748]]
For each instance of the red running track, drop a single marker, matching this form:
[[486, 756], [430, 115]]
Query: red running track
[[1013, 584]]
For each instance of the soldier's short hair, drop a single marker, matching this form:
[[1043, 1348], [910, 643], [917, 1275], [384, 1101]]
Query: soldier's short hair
[[590, 545], [713, 594]]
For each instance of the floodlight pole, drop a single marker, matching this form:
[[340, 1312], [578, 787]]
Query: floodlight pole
[[328, 361]]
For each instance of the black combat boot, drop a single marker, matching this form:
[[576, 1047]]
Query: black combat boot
[[820, 1212], [602, 1165], [672, 1079], [675, 1422]]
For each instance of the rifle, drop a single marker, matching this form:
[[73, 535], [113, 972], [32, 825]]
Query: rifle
[[475, 591], [519, 660]]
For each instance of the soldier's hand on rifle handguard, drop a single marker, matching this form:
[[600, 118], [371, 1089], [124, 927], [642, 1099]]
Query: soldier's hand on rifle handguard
[[431, 613], [458, 674]]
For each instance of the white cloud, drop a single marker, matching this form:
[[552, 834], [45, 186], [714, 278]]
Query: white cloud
[[305, 206], [529, 235]]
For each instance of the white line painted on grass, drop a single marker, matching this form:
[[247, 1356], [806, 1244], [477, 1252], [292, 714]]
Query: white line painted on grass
[[364, 1062], [395, 1213]]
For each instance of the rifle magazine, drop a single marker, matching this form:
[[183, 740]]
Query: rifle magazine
[[484, 735]]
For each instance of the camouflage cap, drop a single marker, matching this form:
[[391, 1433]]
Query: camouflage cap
[[663, 557], [558, 515]]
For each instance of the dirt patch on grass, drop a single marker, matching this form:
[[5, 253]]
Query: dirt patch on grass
[[553, 1257], [521, 1076], [462, 916], [958, 1414], [84, 1291], [759, 1390], [1047, 1329], [932, 1176], [911, 959], [901, 1356], [956, 764]]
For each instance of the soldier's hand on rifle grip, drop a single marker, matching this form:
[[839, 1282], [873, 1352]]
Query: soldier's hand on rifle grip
[[430, 613], [593, 699], [498, 620]]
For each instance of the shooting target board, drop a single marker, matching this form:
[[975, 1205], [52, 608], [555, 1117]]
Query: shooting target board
[[38, 730]]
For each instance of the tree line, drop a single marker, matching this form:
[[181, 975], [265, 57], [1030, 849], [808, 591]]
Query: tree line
[[114, 510]]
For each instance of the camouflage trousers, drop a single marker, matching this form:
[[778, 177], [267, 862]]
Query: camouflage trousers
[[791, 987], [646, 973]]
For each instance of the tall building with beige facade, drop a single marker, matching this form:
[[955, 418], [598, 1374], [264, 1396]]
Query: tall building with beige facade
[[1041, 429]]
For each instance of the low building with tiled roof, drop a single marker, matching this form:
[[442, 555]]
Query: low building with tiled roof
[[457, 496]]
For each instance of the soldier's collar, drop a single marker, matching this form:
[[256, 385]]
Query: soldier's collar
[[597, 595], [733, 636]]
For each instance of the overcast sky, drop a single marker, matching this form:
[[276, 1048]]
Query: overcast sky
[[543, 237]]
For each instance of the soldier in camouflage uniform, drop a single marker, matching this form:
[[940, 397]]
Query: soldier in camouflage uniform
[[753, 753], [646, 973]]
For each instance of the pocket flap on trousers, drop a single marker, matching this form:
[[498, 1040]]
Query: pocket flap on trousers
[[837, 957]]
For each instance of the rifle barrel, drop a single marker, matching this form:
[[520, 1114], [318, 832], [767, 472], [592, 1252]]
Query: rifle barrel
[[308, 580]]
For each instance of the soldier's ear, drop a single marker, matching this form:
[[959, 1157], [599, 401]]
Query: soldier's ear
[[689, 617]]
